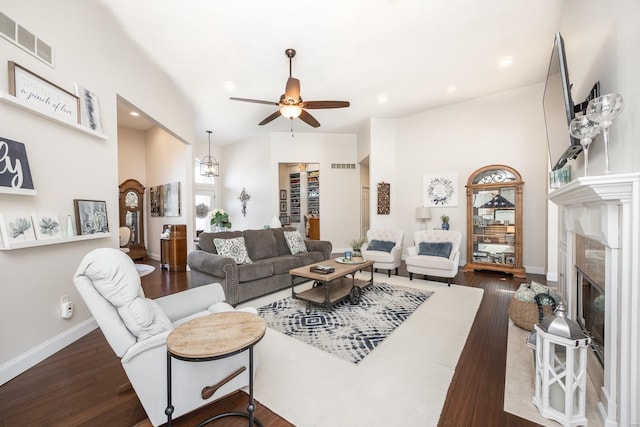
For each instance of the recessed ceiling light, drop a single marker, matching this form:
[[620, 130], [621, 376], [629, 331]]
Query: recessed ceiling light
[[505, 62], [134, 113], [451, 89], [229, 86], [382, 99]]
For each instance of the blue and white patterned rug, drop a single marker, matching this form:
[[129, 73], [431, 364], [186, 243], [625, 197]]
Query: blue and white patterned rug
[[350, 332]]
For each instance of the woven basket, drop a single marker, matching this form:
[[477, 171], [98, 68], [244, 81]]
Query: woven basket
[[525, 314]]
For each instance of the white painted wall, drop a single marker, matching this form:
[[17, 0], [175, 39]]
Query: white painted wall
[[600, 41], [507, 128], [67, 165]]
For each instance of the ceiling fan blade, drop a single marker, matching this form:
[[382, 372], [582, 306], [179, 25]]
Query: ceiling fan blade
[[257, 101], [325, 104], [309, 119], [270, 118], [292, 92]]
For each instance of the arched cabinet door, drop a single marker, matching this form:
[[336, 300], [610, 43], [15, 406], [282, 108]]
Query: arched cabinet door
[[494, 220], [132, 215]]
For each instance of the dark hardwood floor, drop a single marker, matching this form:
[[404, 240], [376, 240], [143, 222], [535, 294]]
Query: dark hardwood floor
[[78, 386]]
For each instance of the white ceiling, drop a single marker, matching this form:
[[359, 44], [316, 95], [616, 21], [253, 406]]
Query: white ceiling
[[410, 51]]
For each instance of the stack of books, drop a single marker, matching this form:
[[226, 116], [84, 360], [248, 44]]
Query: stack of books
[[322, 269]]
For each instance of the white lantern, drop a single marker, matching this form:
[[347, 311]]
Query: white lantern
[[561, 369]]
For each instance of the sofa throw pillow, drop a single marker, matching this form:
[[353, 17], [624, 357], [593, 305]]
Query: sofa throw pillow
[[233, 248], [381, 245], [295, 242], [441, 249]]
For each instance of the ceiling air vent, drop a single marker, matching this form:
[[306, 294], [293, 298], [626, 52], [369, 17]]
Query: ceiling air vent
[[25, 39], [343, 165]]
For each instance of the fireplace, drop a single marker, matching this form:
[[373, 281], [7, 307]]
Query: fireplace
[[599, 275], [590, 267]]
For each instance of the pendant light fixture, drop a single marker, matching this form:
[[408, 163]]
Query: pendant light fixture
[[209, 166]]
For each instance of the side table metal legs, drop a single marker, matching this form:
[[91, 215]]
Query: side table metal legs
[[250, 407]]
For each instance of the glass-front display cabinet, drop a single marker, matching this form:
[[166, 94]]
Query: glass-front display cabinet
[[494, 220], [132, 215]]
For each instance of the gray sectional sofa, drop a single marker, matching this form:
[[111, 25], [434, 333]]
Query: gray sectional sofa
[[269, 271]]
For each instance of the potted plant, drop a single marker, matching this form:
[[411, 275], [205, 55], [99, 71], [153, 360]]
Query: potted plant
[[219, 220], [356, 246], [445, 222]]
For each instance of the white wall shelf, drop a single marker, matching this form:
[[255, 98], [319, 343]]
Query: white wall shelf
[[36, 243], [19, 103]]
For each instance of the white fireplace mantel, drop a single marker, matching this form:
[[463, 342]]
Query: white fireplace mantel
[[607, 209]]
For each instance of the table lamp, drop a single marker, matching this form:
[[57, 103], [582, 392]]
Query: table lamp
[[423, 213]]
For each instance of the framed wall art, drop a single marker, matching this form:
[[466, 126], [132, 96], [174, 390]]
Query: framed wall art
[[283, 194], [285, 220], [43, 95], [16, 229], [90, 115], [171, 197], [47, 226], [91, 216], [440, 190], [384, 198], [156, 200], [15, 175]]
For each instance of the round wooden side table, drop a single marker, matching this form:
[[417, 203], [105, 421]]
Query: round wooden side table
[[212, 337]]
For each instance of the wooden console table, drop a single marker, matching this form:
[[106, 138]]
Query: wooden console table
[[173, 250]]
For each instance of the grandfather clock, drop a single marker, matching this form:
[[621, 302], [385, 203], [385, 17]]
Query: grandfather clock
[[132, 215]]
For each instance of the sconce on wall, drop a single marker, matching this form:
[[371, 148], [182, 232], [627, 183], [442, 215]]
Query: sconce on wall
[[209, 166], [244, 198]]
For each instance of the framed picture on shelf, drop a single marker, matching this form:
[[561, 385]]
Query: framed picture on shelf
[[283, 194], [47, 226], [43, 95], [285, 219], [507, 216], [16, 229], [89, 109], [91, 216], [15, 174]]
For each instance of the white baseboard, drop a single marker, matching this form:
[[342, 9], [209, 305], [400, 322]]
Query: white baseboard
[[15, 367]]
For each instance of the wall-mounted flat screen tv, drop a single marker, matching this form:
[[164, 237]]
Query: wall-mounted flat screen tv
[[559, 109]]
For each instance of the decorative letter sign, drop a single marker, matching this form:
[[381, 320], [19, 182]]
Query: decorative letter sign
[[15, 176]]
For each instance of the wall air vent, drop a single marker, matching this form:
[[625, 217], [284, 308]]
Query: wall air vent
[[25, 39], [343, 165]]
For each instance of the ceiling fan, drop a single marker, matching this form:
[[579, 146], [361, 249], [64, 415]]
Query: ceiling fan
[[291, 104]]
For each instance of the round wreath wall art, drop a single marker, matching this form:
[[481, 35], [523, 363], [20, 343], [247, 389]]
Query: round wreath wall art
[[440, 190]]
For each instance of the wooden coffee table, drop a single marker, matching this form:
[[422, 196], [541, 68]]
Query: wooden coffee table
[[334, 287], [211, 337]]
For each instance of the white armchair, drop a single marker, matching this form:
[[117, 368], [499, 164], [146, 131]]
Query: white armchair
[[439, 256], [137, 328], [378, 240]]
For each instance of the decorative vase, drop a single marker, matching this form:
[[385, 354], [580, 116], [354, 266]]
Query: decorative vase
[[217, 228], [445, 225], [69, 226]]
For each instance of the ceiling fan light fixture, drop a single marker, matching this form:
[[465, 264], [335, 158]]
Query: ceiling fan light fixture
[[290, 111], [209, 166]]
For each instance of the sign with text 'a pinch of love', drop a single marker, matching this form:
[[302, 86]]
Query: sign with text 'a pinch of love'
[[42, 95], [15, 175]]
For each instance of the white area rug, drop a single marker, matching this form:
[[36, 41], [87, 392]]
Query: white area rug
[[144, 269], [519, 384], [404, 382]]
